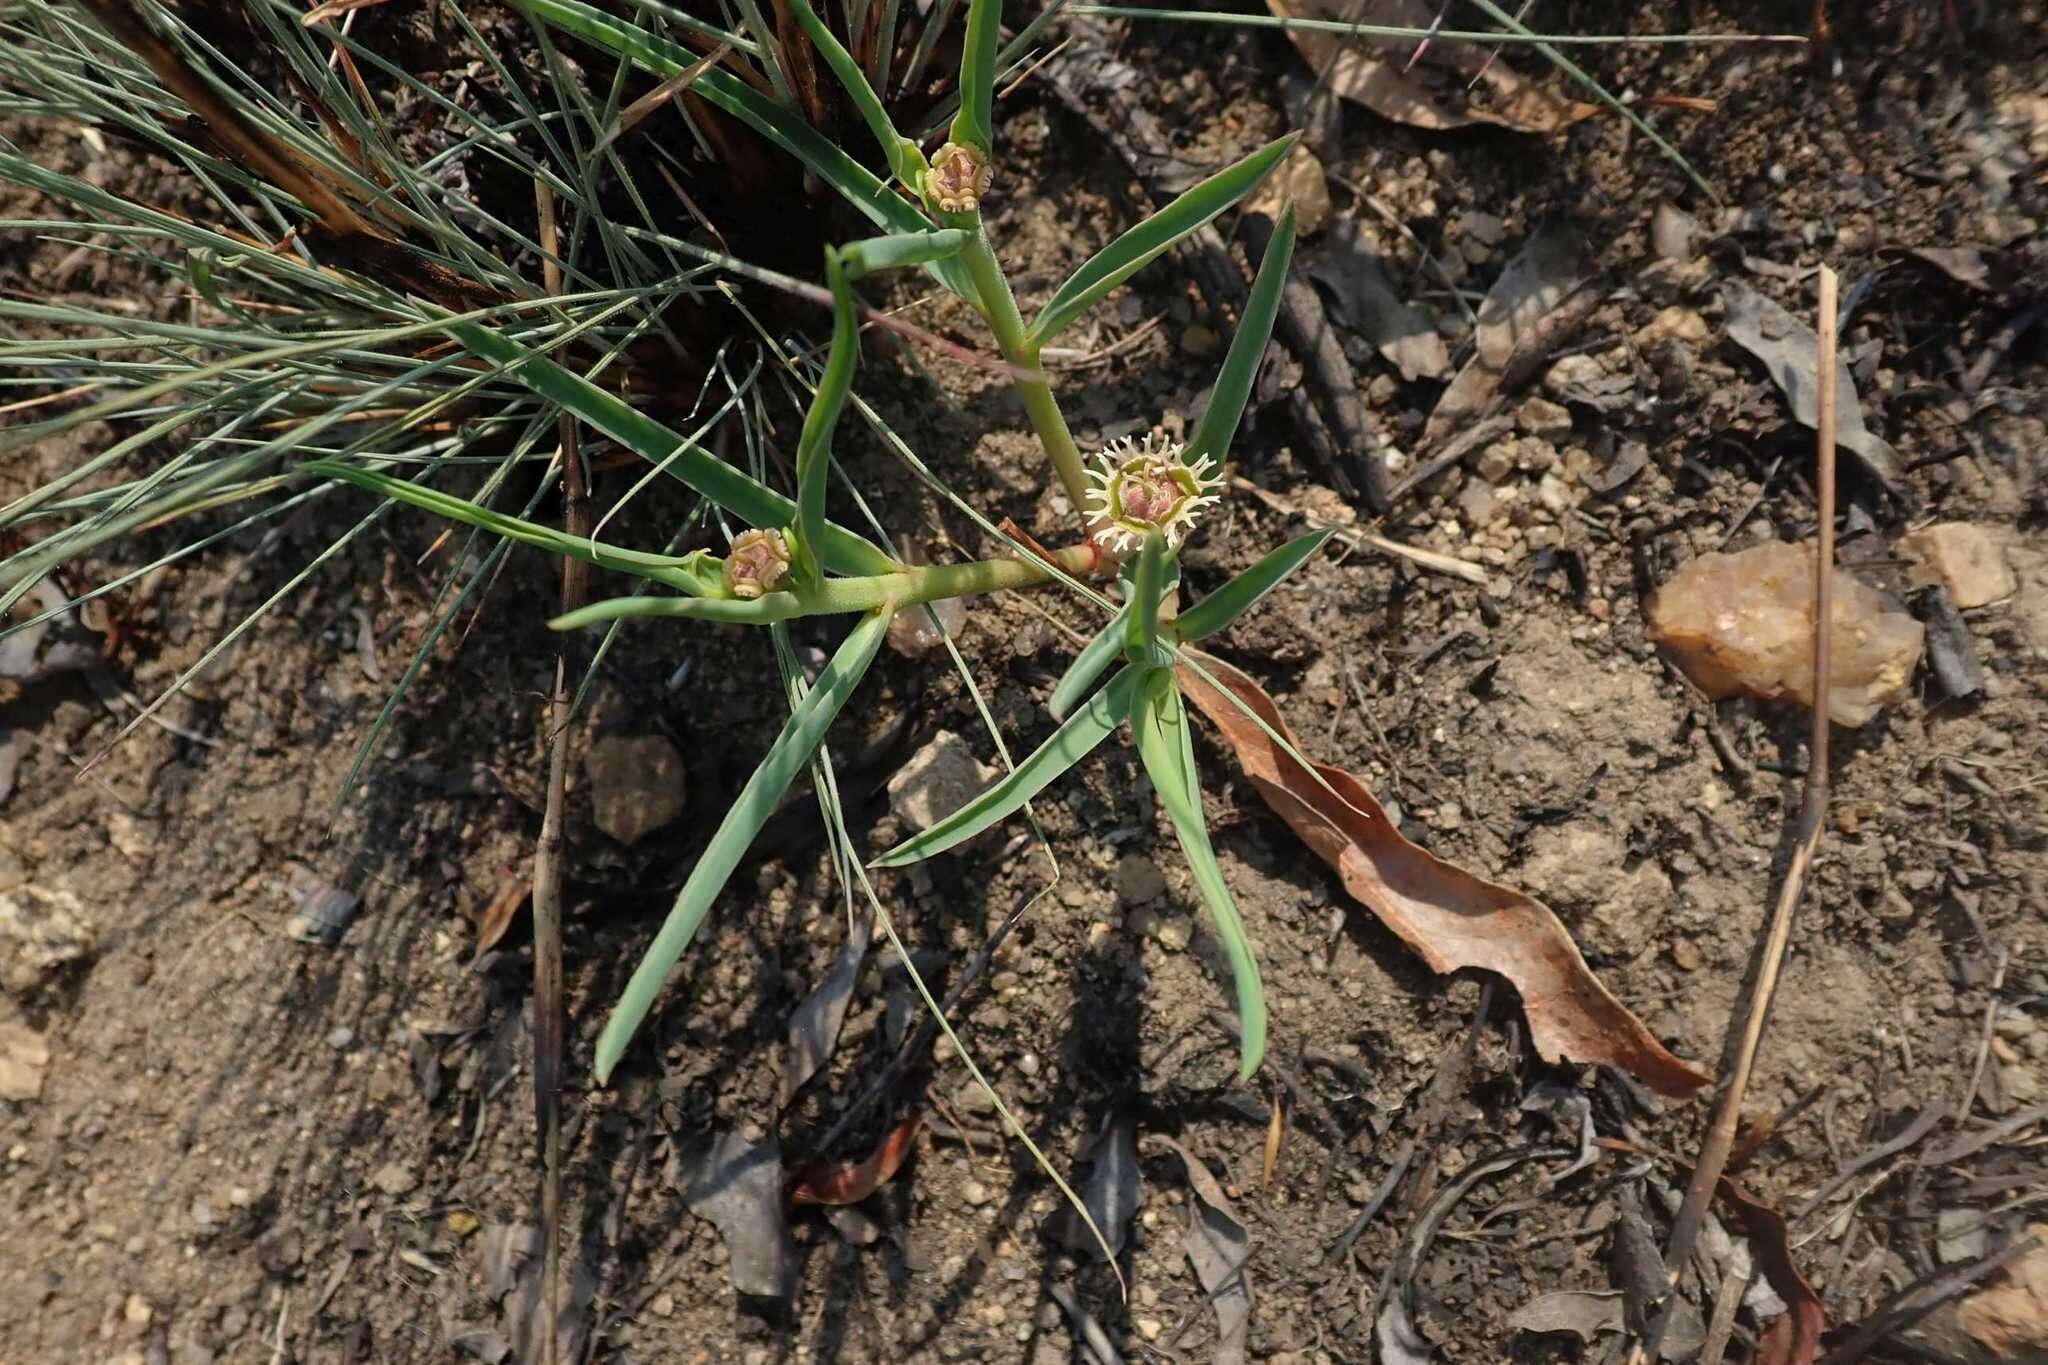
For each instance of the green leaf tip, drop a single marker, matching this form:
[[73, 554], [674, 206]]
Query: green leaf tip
[[785, 760]]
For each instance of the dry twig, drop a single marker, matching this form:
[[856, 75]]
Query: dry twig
[[1720, 1139], [548, 1020]]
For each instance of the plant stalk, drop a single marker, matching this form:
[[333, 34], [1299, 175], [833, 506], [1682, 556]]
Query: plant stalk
[[846, 596], [1014, 339]]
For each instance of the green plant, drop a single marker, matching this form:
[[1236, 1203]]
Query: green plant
[[257, 397], [796, 563]]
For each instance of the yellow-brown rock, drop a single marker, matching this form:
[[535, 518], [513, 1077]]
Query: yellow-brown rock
[[1742, 625]]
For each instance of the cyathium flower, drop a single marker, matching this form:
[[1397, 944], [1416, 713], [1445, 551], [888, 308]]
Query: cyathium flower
[[757, 564], [958, 178], [1143, 486]]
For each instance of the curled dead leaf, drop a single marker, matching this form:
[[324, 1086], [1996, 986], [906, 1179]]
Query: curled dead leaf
[[837, 1182], [1793, 1339], [1450, 917], [1377, 75]]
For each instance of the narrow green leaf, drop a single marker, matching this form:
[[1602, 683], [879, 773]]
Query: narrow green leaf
[[1071, 743], [754, 503], [814, 446], [1088, 665], [660, 57], [974, 125], [893, 144], [697, 574], [1241, 593], [733, 611], [1122, 258], [1159, 723], [1218, 426], [900, 249], [785, 760], [1148, 593]]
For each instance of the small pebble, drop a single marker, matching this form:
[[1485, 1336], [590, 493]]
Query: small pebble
[[664, 1305], [341, 1038], [976, 1194], [137, 1312], [1686, 955], [1138, 879], [393, 1178], [1175, 932], [1028, 1064], [1148, 1328]]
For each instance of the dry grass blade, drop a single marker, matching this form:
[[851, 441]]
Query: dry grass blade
[[1450, 917], [636, 113], [1720, 1139], [549, 1022]]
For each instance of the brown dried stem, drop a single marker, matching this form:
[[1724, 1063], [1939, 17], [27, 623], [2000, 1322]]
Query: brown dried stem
[[549, 1021], [1720, 1139]]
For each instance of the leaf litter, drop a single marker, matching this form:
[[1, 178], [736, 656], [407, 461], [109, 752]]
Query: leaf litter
[[736, 1186], [1790, 353], [1218, 1246], [1450, 917], [1110, 1194], [814, 1025], [1543, 296], [839, 1183], [1381, 74]]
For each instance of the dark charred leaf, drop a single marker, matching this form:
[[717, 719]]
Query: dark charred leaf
[[814, 1025], [1638, 1265], [1949, 651], [1110, 1195], [1349, 268], [737, 1187], [1790, 354], [1572, 1110], [1218, 1246], [841, 1183], [524, 1313]]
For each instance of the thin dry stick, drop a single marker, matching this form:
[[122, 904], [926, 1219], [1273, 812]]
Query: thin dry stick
[[1812, 816], [548, 1018]]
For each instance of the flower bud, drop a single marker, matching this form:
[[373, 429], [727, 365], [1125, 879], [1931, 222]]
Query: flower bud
[[958, 178], [757, 564], [1139, 487]]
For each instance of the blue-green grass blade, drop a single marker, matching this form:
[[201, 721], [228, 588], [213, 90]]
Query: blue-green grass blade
[[1071, 743], [1159, 723], [1129, 253], [757, 801], [1243, 592], [662, 58], [1218, 427], [974, 125], [1081, 674], [899, 151], [697, 574], [814, 446], [751, 501]]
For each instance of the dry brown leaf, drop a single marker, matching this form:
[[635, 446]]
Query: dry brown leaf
[[841, 1183], [1371, 74], [1793, 1339], [1450, 917], [1543, 296], [496, 919]]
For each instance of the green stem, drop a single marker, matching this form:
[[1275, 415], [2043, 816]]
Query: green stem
[[841, 596], [1014, 340]]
